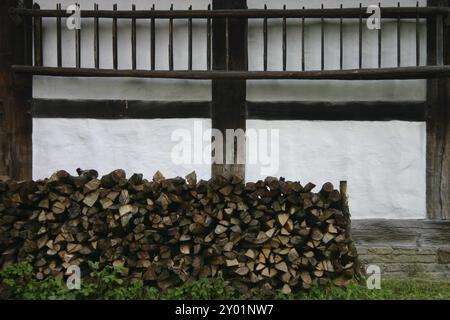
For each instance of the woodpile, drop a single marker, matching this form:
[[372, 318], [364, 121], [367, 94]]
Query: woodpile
[[272, 234]]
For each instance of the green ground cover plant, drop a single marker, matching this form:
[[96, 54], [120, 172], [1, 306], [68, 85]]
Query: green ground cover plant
[[19, 282]]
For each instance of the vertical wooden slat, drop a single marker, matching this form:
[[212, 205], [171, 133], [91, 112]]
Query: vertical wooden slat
[[284, 42], [58, 38], [38, 54], [27, 34], [190, 41], [341, 42], [417, 37], [96, 40], [322, 40], [265, 40], [152, 41], [227, 44], [114, 39], [16, 47], [360, 39], [228, 106], [303, 41], [439, 41], [399, 47], [133, 39], [245, 28], [208, 40], [78, 45], [171, 40], [379, 42]]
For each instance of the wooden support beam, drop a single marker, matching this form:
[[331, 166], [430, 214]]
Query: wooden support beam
[[15, 92], [229, 47], [401, 233], [422, 72], [337, 111], [119, 109], [256, 110], [438, 120], [337, 13]]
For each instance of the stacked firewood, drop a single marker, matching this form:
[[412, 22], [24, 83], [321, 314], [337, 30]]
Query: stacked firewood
[[274, 233]]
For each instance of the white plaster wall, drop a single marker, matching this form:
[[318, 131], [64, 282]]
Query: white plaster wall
[[384, 162], [138, 146]]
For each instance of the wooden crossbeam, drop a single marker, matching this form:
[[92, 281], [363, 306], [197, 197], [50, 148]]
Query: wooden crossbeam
[[387, 12], [256, 110]]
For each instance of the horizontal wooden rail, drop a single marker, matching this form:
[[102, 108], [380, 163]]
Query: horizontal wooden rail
[[119, 109], [422, 72], [387, 12], [255, 110], [400, 232], [414, 111]]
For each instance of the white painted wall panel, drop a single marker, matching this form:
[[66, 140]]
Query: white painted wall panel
[[138, 146], [383, 162]]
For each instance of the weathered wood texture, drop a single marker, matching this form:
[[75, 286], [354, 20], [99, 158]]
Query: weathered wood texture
[[392, 232], [119, 109], [15, 92], [391, 12], [337, 111], [423, 72], [256, 110], [438, 123], [229, 46]]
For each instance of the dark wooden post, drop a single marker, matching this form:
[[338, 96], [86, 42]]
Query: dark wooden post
[[15, 93], [229, 96], [438, 120]]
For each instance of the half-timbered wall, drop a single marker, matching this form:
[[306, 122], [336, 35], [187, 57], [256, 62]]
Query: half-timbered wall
[[383, 161]]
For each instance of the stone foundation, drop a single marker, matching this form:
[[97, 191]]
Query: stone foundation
[[408, 261], [404, 248]]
